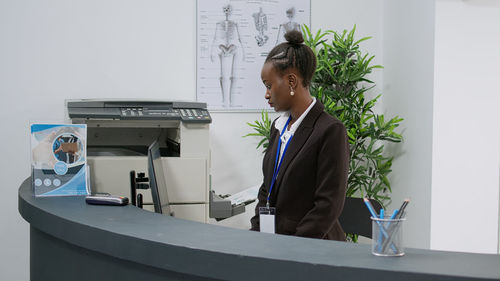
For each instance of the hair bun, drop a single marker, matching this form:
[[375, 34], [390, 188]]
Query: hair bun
[[294, 37]]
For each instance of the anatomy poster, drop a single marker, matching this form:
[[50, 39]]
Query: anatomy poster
[[233, 40]]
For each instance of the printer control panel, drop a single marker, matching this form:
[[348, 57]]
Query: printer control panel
[[188, 115], [194, 114], [140, 113], [187, 112]]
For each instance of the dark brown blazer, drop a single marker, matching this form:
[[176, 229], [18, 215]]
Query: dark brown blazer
[[310, 188]]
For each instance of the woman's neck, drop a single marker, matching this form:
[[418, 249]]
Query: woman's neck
[[302, 102]]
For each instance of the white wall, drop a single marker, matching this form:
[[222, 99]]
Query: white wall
[[408, 78], [466, 136], [441, 64], [367, 15], [53, 50]]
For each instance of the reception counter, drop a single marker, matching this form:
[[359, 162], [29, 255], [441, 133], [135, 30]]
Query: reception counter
[[70, 240]]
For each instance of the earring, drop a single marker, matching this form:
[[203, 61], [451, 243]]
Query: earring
[[291, 91]]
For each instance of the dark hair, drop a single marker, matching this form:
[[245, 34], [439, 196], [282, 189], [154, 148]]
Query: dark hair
[[294, 54]]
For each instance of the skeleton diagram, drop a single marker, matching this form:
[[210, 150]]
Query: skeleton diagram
[[287, 26], [227, 44], [260, 24]]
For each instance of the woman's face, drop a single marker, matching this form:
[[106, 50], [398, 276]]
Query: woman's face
[[277, 88]]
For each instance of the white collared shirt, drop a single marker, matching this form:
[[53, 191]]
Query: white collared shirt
[[280, 124]]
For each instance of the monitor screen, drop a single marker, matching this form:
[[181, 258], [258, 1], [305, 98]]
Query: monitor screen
[[157, 180]]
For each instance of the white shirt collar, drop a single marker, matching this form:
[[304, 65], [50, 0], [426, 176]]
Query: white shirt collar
[[280, 123]]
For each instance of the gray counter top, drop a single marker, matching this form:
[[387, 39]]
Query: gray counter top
[[202, 251]]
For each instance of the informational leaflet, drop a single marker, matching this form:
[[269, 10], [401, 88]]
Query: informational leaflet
[[233, 40], [245, 196], [59, 159]]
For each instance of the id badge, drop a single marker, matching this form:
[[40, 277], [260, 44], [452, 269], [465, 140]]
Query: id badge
[[266, 216]]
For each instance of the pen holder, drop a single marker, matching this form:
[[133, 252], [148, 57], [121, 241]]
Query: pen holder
[[387, 237]]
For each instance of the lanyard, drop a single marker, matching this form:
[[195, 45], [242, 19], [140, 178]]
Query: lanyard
[[277, 165]]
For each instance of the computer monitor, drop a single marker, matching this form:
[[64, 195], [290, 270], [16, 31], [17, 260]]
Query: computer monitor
[[157, 180]]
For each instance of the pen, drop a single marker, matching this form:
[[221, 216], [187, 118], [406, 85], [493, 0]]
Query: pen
[[380, 236], [402, 208], [393, 216], [370, 207], [389, 230], [374, 215]]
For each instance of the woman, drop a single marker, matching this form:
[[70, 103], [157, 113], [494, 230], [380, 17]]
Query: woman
[[306, 181]]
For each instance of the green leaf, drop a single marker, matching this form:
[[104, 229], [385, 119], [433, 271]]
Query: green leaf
[[361, 40], [262, 130]]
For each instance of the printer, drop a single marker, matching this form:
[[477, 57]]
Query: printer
[[118, 135]]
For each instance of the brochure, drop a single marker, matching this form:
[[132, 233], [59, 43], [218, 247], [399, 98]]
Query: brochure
[[59, 159], [246, 196]]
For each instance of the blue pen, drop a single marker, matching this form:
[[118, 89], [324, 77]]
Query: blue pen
[[370, 207], [394, 214], [379, 242], [374, 214]]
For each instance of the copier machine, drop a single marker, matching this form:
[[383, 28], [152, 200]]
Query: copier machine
[[118, 135]]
